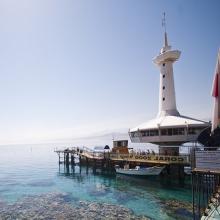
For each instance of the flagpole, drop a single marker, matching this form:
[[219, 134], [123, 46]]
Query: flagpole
[[216, 95]]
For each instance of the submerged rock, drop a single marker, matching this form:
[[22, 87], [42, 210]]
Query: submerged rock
[[179, 209], [54, 206], [41, 183], [178, 204]]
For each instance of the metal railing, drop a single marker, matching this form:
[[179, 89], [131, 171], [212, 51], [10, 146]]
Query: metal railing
[[205, 179]]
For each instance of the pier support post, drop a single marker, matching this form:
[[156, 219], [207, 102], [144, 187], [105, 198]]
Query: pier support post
[[181, 174], [72, 160], [67, 169], [80, 160], [67, 159], [59, 158], [94, 166]]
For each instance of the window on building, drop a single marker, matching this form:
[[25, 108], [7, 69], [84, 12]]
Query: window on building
[[163, 99], [149, 133], [144, 133], [193, 131], [163, 75], [179, 131], [169, 132], [154, 133], [175, 131], [172, 131], [163, 87], [164, 64], [164, 132]]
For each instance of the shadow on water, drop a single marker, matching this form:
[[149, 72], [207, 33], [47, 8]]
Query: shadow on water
[[157, 182], [41, 183], [158, 185], [143, 195]]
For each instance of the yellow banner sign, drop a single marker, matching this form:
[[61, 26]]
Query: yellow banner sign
[[151, 158]]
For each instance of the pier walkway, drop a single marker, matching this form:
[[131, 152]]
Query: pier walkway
[[86, 153]]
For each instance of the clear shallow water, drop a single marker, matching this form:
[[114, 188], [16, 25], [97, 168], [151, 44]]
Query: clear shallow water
[[34, 170]]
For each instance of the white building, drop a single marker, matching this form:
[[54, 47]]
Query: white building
[[169, 128]]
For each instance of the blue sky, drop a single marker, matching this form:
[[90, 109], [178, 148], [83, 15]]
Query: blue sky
[[76, 68]]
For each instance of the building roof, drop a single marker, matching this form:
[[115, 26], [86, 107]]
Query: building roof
[[170, 122]]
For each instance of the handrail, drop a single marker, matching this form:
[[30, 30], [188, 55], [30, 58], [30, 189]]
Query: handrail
[[134, 156]]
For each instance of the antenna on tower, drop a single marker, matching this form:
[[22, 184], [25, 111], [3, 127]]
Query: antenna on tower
[[164, 21], [165, 29]]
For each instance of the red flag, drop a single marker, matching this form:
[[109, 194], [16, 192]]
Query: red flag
[[215, 86], [216, 95]]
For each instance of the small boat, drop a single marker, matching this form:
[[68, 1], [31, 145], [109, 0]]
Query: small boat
[[138, 171]]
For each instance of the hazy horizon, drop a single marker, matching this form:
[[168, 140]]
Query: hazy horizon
[[78, 69]]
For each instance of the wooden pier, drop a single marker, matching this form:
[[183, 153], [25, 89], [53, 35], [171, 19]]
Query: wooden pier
[[86, 153], [107, 160]]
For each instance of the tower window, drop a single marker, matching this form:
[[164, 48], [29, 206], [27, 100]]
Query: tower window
[[164, 64], [163, 87], [163, 99], [163, 75]]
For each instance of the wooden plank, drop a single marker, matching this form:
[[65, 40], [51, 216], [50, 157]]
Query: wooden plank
[[133, 157], [199, 170]]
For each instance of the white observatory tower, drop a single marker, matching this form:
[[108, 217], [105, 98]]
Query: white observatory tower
[[167, 98], [169, 129]]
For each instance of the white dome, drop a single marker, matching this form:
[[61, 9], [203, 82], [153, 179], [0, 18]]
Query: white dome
[[170, 122]]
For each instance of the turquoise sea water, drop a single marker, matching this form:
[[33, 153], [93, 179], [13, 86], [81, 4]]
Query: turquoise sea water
[[34, 170]]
